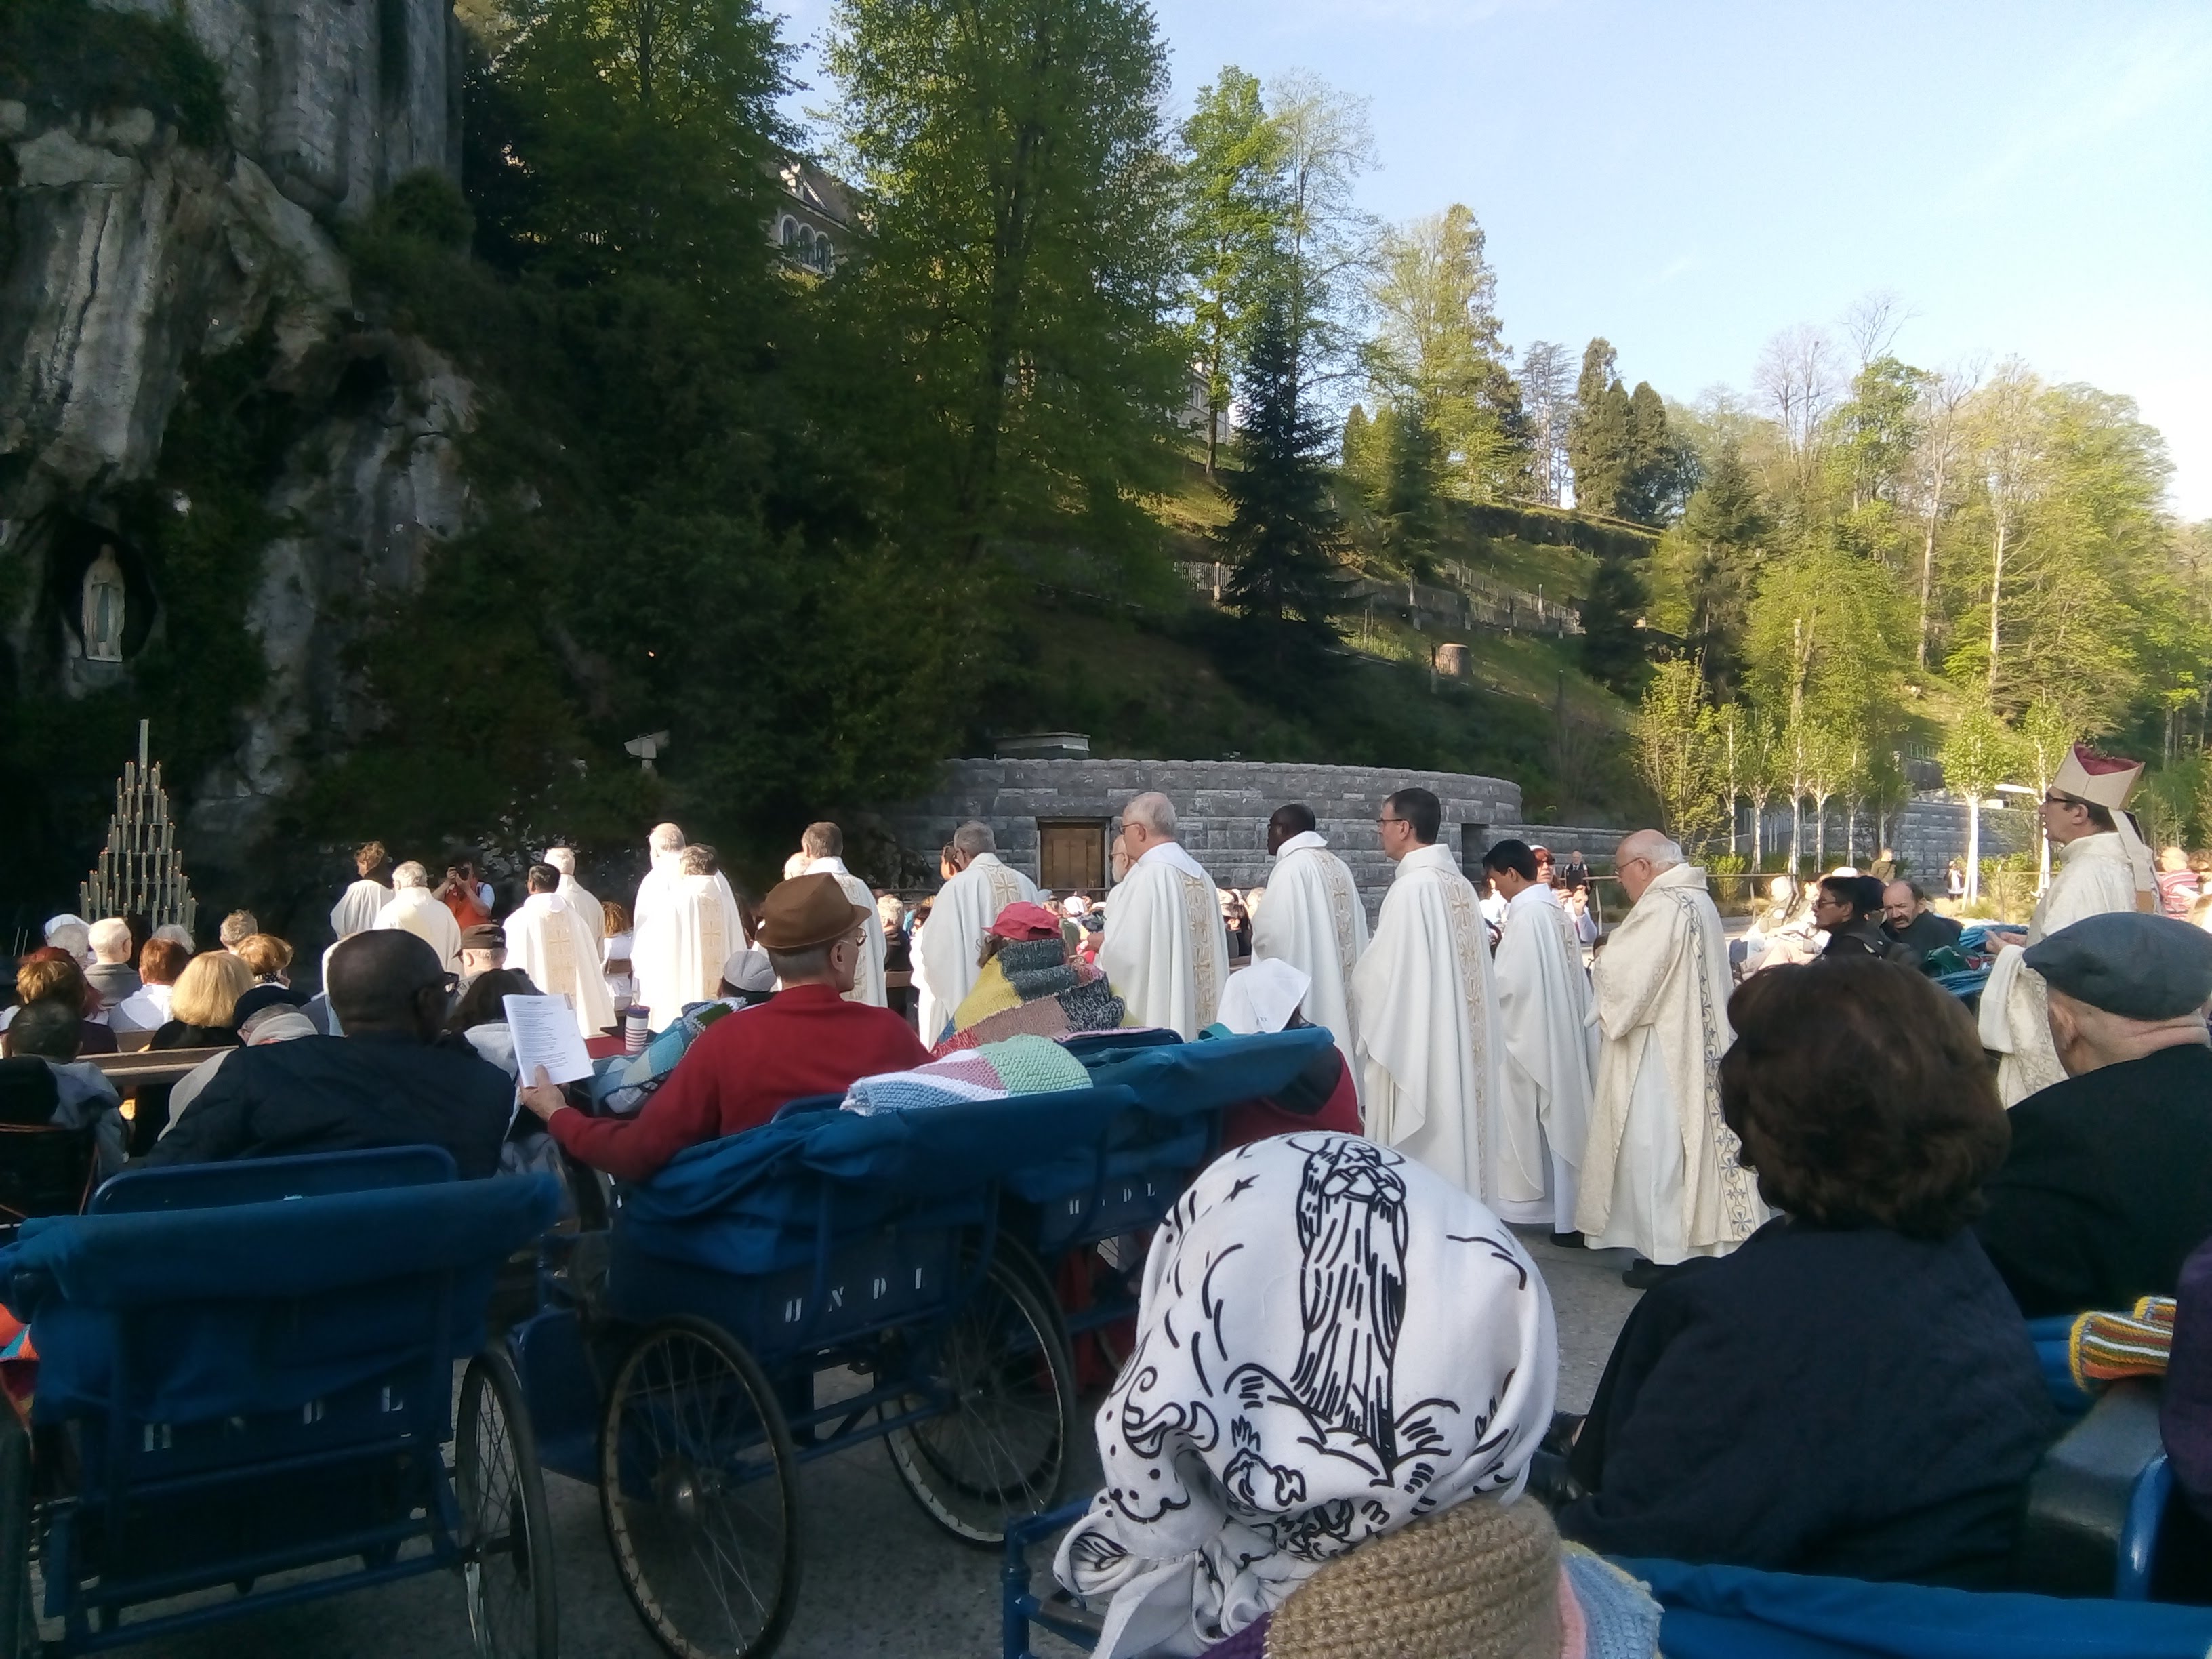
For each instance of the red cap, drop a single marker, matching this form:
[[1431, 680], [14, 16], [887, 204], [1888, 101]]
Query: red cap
[[1025, 920]]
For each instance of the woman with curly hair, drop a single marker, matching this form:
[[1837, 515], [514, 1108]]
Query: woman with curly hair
[[1852, 1391]]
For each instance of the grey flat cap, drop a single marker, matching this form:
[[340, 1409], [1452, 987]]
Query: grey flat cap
[[2128, 963]]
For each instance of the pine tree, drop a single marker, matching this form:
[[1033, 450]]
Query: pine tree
[[1715, 549], [1600, 436], [1657, 472], [1283, 534], [1413, 484], [1612, 644]]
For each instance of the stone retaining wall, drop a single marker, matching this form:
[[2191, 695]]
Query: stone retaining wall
[[1222, 807]]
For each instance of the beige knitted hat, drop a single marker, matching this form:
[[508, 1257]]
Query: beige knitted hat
[[1480, 1581]]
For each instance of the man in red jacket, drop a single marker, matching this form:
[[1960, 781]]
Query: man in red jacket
[[805, 1040]]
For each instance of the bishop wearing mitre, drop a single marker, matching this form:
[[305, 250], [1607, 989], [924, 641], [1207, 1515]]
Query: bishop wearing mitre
[[1312, 919], [1424, 1003], [962, 913], [1166, 953], [546, 939], [2102, 866], [1548, 1061]]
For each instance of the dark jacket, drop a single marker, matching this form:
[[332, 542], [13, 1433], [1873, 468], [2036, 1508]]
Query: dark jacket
[[1865, 937], [321, 1094], [1926, 931], [1856, 1403], [2108, 1186], [175, 1034]]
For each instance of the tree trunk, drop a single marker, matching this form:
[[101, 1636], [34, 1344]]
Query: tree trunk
[[1928, 567], [1996, 591], [1820, 833], [1973, 847]]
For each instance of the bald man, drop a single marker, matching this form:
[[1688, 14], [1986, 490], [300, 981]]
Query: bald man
[[390, 1081], [1166, 953], [1659, 1174]]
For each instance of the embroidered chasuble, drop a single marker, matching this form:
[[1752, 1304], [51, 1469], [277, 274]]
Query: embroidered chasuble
[[589, 912], [1548, 1065], [868, 984], [546, 941], [1425, 1008], [1312, 919], [1659, 1171], [1166, 952], [2094, 875], [952, 939]]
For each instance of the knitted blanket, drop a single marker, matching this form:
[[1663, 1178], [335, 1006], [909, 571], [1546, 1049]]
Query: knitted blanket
[[1031, 989], [1019, 1066], [2107, 1347], [621, 1083]]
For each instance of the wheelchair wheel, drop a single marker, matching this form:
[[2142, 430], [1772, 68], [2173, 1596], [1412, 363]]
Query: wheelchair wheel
[[19, 1615], [997, 1450], [507, 1538], [699, 1488]]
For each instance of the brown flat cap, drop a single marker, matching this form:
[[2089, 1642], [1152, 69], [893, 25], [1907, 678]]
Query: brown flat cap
[[484, 936], [806, 911]]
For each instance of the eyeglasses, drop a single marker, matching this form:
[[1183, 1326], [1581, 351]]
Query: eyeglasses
[[1390, 820]]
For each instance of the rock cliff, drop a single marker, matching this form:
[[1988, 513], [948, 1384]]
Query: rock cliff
[[134, 257]]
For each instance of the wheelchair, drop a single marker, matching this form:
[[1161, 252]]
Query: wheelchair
[[2087, 1560], [791, 1293], [245, 1385], [799, 1289]]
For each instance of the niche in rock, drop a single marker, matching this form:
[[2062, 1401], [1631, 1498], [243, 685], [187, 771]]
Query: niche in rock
[[98, 589]]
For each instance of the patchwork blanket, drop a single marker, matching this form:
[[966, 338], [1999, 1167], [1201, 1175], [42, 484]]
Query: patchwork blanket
[[1018, 1065]]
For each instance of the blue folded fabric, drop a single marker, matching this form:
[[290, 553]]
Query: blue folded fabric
[[1176, 1077], [750, 1202], [1738, 1612]]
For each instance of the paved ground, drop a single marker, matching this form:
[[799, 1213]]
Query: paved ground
[[881, 1580]]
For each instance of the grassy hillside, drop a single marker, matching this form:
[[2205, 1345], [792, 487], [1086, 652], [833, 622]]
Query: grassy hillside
[[1183, 679]]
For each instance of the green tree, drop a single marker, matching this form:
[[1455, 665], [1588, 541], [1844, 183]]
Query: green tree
[[640, 139], [1979, 752], [1712, 559], [1612, 648], [1230, 160], [1007, 324], [1660, 469], [1439, 350], [1282, 537], [1674, 753], [1601, 434]]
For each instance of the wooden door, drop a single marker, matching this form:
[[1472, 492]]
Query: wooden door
[[1072, 855]]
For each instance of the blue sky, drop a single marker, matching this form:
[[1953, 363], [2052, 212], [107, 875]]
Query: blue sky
[[1688, 179]]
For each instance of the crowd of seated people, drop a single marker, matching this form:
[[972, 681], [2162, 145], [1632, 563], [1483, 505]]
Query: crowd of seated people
[[1852, 1391]]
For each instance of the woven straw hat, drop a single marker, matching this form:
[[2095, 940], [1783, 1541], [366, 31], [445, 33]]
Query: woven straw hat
[[1480, 1581]]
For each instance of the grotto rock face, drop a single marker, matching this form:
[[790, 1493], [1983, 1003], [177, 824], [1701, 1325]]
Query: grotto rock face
[[131, 257]]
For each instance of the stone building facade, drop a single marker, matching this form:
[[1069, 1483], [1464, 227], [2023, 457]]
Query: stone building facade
[[1055, 818]]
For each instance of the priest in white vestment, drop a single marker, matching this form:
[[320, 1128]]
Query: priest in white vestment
[[660, 951], [1548, 1058], [570, 892], [946, 960], [546, 941], [1426, 1007], [692, 931], [416, 909], [1313, 919], [2102, 864], [356, 909], [1166, 952], [823, 844], [1660, 1173]]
